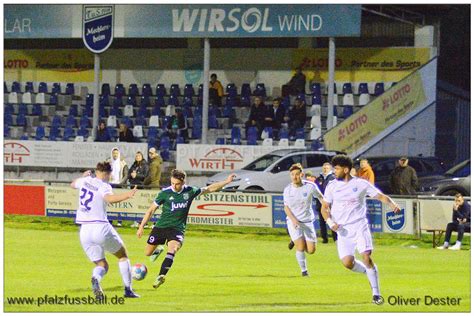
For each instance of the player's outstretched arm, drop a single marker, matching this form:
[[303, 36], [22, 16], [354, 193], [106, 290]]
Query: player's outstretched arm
[[85, 174], [114, 198], [218, 185], [327, 216], [388, 200], [146, 218]]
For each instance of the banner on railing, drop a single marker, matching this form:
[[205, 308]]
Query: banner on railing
[[65, 154]]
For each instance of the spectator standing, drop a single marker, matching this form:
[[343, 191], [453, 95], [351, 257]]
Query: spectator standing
[[322, 181], [297, 116], [125, 134], [257, 115], [154, 175], [296, 85], [461, 222], [403, 179], [138, 171], [119, 174], [365, 171], [102, 133], [216, 90]]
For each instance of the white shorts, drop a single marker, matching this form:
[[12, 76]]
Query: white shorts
[[98, 238], [352, 236], [305, 230]]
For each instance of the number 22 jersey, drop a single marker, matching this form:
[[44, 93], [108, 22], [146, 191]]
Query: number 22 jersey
[[92, 207]]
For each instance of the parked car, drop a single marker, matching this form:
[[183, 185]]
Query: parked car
[[455, 180], [427, 169], [271, 171]]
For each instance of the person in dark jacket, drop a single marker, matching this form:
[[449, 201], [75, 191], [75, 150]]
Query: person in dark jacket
[[138, 171], [258, 111], [125, 134], [102, 133], [322, 181], [275, 116], [297, 83], [297, 116], [403, 179], [461, 222]]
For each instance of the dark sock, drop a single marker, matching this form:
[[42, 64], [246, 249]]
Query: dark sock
[[166, 265]]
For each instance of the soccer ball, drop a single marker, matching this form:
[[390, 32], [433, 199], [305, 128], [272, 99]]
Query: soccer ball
[[139, 271]]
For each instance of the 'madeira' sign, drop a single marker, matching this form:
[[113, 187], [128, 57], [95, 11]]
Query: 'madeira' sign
[[97, 27]]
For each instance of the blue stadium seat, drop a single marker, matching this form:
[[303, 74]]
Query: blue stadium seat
[[118, 101], [23, 109], [71, 121], [301, 97], [24, 136], [252, 136], [146, 90], [90, 99], [173, 100], [188, 90], [174, 90], [156, 110], [37, 110], [379, 88], [145, 101], [53, 99], [315, 88], [188, 101], [21, 120], [200, 90], [87, 110], [165, 143], [347, 88], [300, 133], [220, 141], [140, 120], [56, 122], [228, 112], [29, 87], [316, 99], [152, 132], [245, 100], [68, 133], [70, 89], [143, 112], [105, 89], [40, 133], [85, 121], [260, 90], [133, 90], [84, 132], [283, 133], [165, 154], [115, 111], [56, 88], [231, 90], [166, 122], [127, 121], [286, 103], [104, 100], [363, 88], [269, 130], [196, 132], [6, 130], [160, 101], [347, 111], [132, 100], [179, 140], [53, 133], [212, 121], [160, 90], [43, 87], [8, 119], [112, 132], [102, 112], [235, 136], [119, 90], [245, 90], [16, 87], [9, 109]]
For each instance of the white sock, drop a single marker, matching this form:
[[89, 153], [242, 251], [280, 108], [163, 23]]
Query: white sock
[[301, 258], [458, 243], [99, 273], [446, 244], [358, 267], [125, 271], [373, 276]]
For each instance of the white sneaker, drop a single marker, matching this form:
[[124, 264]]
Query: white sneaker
[[135, 225], [455, 247], [441, 247]]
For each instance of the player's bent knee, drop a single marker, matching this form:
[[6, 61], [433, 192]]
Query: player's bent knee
[[348, 262]]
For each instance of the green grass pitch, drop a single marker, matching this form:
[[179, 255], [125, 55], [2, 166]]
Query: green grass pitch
[[229, 270]]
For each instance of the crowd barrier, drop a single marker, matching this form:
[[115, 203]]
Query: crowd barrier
[[254, 209]]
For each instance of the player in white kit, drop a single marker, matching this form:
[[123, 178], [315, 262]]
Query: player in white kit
[[298, 200], [344, 209], [96, 234]]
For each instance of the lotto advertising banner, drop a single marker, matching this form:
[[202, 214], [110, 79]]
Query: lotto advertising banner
[[361, 64], [60, 65], [217, 158], [385, 114], [222, 209], [65, 154]]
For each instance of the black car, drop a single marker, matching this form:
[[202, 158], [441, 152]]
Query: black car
[[455, 180], [427, 169]]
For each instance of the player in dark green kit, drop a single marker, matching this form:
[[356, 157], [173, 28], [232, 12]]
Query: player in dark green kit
[[170, 227]]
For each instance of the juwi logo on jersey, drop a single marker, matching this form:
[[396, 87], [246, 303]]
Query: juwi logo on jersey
[[395, 221], [178, 206], [98, 27]]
